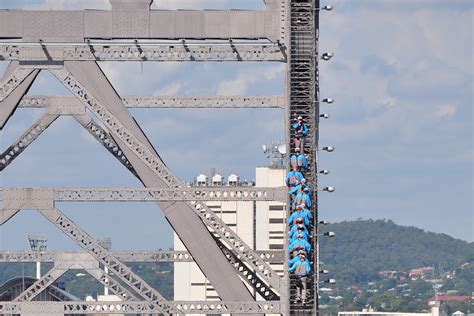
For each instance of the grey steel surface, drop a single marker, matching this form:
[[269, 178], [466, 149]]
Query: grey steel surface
[[43, 198], [303, 92], [271, 256], [11, 98], [72, 106], [187, 307], [178, 51], [147, 159], [99, 96], [130, 20], [40, 285], [105, 139], [28, 137]]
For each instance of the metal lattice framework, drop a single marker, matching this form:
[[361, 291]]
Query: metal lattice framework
[[271, 256], [71, 105], [69, 44]]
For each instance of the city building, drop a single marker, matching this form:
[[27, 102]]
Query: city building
[[260, 224], [370, 312]]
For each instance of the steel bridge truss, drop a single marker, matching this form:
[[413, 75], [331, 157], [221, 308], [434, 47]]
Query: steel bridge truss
[[69, 44]]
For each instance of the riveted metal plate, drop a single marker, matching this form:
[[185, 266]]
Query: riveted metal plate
[[17, 199]]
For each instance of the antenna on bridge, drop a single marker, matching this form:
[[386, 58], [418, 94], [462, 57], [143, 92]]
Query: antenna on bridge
[[276, 152]]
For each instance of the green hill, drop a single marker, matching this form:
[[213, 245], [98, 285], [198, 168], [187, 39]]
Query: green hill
[[362, 248]]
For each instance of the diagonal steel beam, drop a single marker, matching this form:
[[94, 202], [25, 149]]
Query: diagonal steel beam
[[123, 272], [249, 276], [28, 137], [111, 284], [142, 156], [147, 157], [104, 137], [12, 80], [11, 96], [41, 284], [6, 215], [66, 261]]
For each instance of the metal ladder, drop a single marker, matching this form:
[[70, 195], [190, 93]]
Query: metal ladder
[[303, 93]]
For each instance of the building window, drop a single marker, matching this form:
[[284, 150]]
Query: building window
[[276, 208], [276, 221], [274, 247]]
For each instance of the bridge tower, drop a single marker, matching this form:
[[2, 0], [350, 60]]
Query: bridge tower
[[69, 44]]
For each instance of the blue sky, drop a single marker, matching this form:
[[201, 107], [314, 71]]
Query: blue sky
[[402, 78]]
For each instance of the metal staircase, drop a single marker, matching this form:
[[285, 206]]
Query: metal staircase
[[303, 93]]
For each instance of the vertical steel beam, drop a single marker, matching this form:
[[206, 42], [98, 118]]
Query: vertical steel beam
[[13, 86], [316, 267]]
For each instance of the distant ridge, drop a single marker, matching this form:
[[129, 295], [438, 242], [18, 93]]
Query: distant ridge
[[362, 248]]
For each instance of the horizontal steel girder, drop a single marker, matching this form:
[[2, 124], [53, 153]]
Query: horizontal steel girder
[[270, 256], [187, 307], [42, 198], [174, 52], [72, 106], [136, 20]]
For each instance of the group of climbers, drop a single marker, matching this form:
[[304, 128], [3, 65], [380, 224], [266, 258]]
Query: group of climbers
[[301, 218]]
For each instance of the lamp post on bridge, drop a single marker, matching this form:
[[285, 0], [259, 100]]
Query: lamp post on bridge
[[37, 243]]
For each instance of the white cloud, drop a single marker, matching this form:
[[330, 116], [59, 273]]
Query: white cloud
[[446, 110], [416, 62], [171, 89], [247, 77], [70, 5]]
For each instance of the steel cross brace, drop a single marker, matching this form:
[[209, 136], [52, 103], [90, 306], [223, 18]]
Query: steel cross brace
[[266, 51], [103, 137], [26, 139], [143, 308], [41, 284], [12, 81], [66, 261], [111, 284], [249, 276], [157, 166], [64, 104], [125, 256], [9, 104], [103, 256]]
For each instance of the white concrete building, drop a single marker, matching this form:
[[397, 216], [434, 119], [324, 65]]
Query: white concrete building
[[260, 224]]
